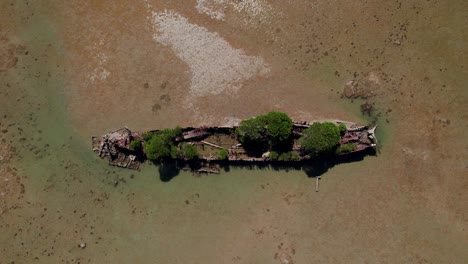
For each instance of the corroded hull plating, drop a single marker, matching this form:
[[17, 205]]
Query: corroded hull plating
[[115, 145]]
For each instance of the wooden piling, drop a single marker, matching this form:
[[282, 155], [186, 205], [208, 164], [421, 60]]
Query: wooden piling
[[317, 183]]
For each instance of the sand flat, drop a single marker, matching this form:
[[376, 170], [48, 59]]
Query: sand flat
[[92, 66]]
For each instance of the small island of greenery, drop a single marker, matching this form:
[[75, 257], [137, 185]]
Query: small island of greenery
[[271, 137]]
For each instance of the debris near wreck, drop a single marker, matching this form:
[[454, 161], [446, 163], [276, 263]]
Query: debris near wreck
[[269, 138], [116, 148]]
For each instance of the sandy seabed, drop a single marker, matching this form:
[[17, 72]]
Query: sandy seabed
[[91, 66]]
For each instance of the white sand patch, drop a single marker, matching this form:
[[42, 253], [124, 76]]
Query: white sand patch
[[215, 65], [97, 64], [99, 72], [252, 12], [216, 9], [231, 121], [253, 8]]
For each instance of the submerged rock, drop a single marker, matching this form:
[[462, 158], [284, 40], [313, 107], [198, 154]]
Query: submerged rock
[[6, 152], [9, 52], [367, 108], [364, 87], [285, 259]]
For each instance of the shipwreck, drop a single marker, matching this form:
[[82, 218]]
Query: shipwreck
[[216, 145]]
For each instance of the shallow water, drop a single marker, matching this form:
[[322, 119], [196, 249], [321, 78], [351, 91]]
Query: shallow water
[[406, 205]]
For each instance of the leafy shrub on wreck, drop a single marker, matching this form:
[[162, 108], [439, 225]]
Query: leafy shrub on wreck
[[188, 151], [177, 131], [342, 128], [160, 145], [135, 144], [320, 139], [252, 130], [289, 156], [274, 155], [346, 148], [272, 129], [222, 154]]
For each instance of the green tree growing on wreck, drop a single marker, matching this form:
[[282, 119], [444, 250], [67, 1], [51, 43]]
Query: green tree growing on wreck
[[252, 130], [272, 129], [188, 151], [177, 131], [147, 135], [342, 128], [279, 127], [320, 139], [160, 145], [135, 144]]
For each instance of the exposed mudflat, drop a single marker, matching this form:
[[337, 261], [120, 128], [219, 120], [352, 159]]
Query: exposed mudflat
[[73, 69]]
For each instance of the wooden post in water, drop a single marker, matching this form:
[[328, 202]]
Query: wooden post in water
[[317, 183]]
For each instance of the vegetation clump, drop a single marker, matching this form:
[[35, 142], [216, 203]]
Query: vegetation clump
[[273, 129], [295, 156], [274, 155], [135, 144], [284, 156], [320, 139], [177, 131], [222, 154], [160, 145], [272, 132], [188, 151], [342, 128], [289, 156], [346, 148], [147, 135]]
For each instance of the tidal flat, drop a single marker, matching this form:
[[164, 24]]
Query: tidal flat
[[72, 70]]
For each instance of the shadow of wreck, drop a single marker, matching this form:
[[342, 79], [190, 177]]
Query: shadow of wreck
[[312, 168]]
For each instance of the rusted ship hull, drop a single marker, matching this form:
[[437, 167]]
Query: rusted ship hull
[[115, 146]]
